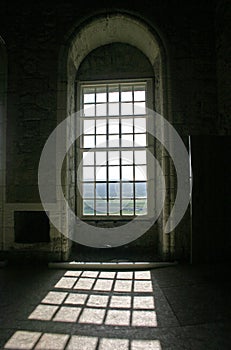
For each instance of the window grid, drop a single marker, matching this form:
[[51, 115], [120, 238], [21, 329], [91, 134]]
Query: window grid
[[90, 97]]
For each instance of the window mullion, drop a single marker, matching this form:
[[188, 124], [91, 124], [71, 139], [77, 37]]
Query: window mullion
[[120, 165], [120, 144], [134, 203], [107, 154], [133, 152], [94, 184]]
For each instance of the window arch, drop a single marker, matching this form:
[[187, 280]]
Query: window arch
[[114, 87], [114, 28], [107, 29]]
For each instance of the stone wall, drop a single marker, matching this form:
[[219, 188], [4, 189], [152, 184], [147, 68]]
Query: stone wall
[[3, 85], [194, 39], [211, 204], [223, 53]]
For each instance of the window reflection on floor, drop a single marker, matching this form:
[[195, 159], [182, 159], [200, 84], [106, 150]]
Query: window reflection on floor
[[93, 298]]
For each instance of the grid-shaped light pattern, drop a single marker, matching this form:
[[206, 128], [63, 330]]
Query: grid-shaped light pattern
[[113, 149], [93, 297], [112, 299], [30, 340]]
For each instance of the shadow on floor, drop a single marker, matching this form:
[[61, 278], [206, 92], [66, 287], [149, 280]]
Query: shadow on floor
[[124, 253]]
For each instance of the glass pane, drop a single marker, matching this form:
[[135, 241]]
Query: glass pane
[[140, 125], [126, 93], [140, 157], [88, 173], [114, 207], [89, 98], [101, 173], [127, 126], [89, 127], [140, 140], [114, 190], [127, 173], [89, 110], [88, 190], [127, 207], [139, 93], [101, 207], [100, 158], [141, 207], [113, 127], [101, 190], [127, 190], [101, 126], [88, 158], [126, 108], [101, 141], [141, 172], [101, 97], [113, 95], [127, 141], [101, 110], [113, 173], [139, 108], [141, 189], [113, 141], [88, 207], [127, 157], [113, 109], [114, 158], [89, 141]]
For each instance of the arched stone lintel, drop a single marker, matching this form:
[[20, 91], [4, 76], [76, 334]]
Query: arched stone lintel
[[112, 29]]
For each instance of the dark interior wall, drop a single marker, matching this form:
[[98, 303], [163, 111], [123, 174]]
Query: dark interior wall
[[211, 240], [31, 97], [223, 54], [211, 198]]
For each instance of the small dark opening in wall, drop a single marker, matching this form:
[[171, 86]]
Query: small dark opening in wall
[[31, 227]]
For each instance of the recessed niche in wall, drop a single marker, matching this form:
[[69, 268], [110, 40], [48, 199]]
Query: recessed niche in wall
[[31, 227]]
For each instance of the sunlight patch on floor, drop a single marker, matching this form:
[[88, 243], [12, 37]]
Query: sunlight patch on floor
[[25, 340], [95, 298]]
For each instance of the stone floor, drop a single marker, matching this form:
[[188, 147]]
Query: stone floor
[[179, 307]]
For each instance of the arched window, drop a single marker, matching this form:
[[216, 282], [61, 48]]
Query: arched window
[[109, 57], [114, 89]]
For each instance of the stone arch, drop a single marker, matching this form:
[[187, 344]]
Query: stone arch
[[3, 90], [113, 28], [96, 32]]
